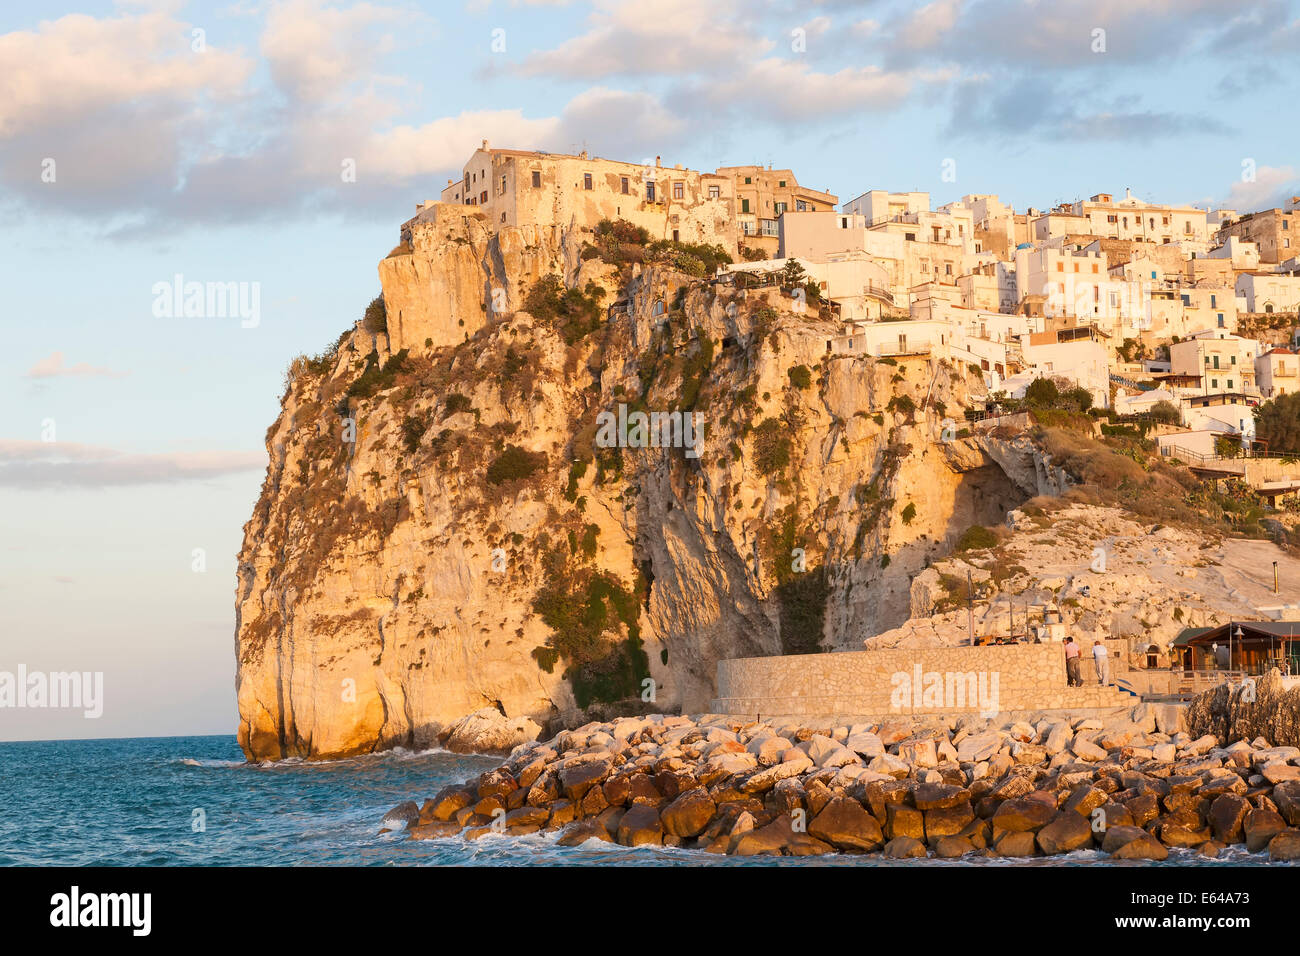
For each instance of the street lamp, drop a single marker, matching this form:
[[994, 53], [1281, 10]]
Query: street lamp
[[1237, 635]]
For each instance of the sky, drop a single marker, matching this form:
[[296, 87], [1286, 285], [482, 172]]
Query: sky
[[278, 146]]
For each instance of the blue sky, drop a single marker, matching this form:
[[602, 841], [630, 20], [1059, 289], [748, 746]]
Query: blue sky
[[218, 155]]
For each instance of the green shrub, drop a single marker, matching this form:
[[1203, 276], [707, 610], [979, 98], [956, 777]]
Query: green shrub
[[800, 376], [574, 313], [976, 538], [909, 513], [413, 428], [772, 447], [455, 403], [584, 610], [513, 464], [375, 318], [374, 379]]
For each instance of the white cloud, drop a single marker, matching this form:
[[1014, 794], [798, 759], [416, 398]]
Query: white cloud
[[1271, 187], [51, 465], [52, 366], [653, 37]]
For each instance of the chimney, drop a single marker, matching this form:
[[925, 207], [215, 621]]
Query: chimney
[[1128, 193], [485, 145], [656, 162]]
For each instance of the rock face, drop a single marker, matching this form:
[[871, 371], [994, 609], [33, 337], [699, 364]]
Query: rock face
[[439, 533], [1228, 711]]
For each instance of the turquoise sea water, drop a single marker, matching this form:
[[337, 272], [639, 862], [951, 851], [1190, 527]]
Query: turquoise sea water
[[132, 802]]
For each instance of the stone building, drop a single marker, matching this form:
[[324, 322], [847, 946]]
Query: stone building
[[1276, 231], [512, 187], [762, 196]]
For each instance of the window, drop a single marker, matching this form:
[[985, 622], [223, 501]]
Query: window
[[483, 196], [769, 227], [780, 208], [1229, 383], [1285, 225], [1060, 267], [781, 184], [714, 192], [1220, 320], [744, 205], [801, 206], [1076, 267], [1214, 383], [537, 179], [1094, 268], [676, 235], [679, 190], [623, 185], [649, 192], [748, 180], [503, 185], [586, 180], [1153, 274], [1112, 218], [1187, 299], [1213, 301]]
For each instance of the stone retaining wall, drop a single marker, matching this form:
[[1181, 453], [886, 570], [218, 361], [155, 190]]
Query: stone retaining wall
[[947, 680]]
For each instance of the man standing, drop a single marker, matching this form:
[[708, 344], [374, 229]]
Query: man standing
[[1072, 663], [1100, 659]]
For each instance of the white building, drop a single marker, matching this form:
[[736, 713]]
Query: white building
[[1224, 362], [1269, 292], [1277, 372]]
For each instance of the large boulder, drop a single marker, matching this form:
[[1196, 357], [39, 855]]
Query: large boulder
[[689, 814], [640, 826], [1285, 846], [1259, 828], [1069, 831], [401, 816], [1227, 814], [490, 731], [845, 824], [446, 802], [778, 838]]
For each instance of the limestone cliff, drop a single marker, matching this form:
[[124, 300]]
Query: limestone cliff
[[439, 531]]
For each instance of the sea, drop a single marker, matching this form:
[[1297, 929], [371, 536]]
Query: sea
[[194, 801]]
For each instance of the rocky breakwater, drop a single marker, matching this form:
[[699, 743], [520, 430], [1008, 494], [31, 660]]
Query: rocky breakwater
[[902, 788]]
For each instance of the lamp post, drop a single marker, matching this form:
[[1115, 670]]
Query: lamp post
[[1274, 577], [1237, 635]]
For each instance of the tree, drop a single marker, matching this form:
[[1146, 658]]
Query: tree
[[1166, 413], [1079, 397], [1277, 423], [793, 274], [1042, 393]]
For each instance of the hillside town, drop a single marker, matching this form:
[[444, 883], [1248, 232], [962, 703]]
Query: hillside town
[[1179, 315]]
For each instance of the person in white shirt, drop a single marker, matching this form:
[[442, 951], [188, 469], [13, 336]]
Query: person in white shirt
[[1099, 656]]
